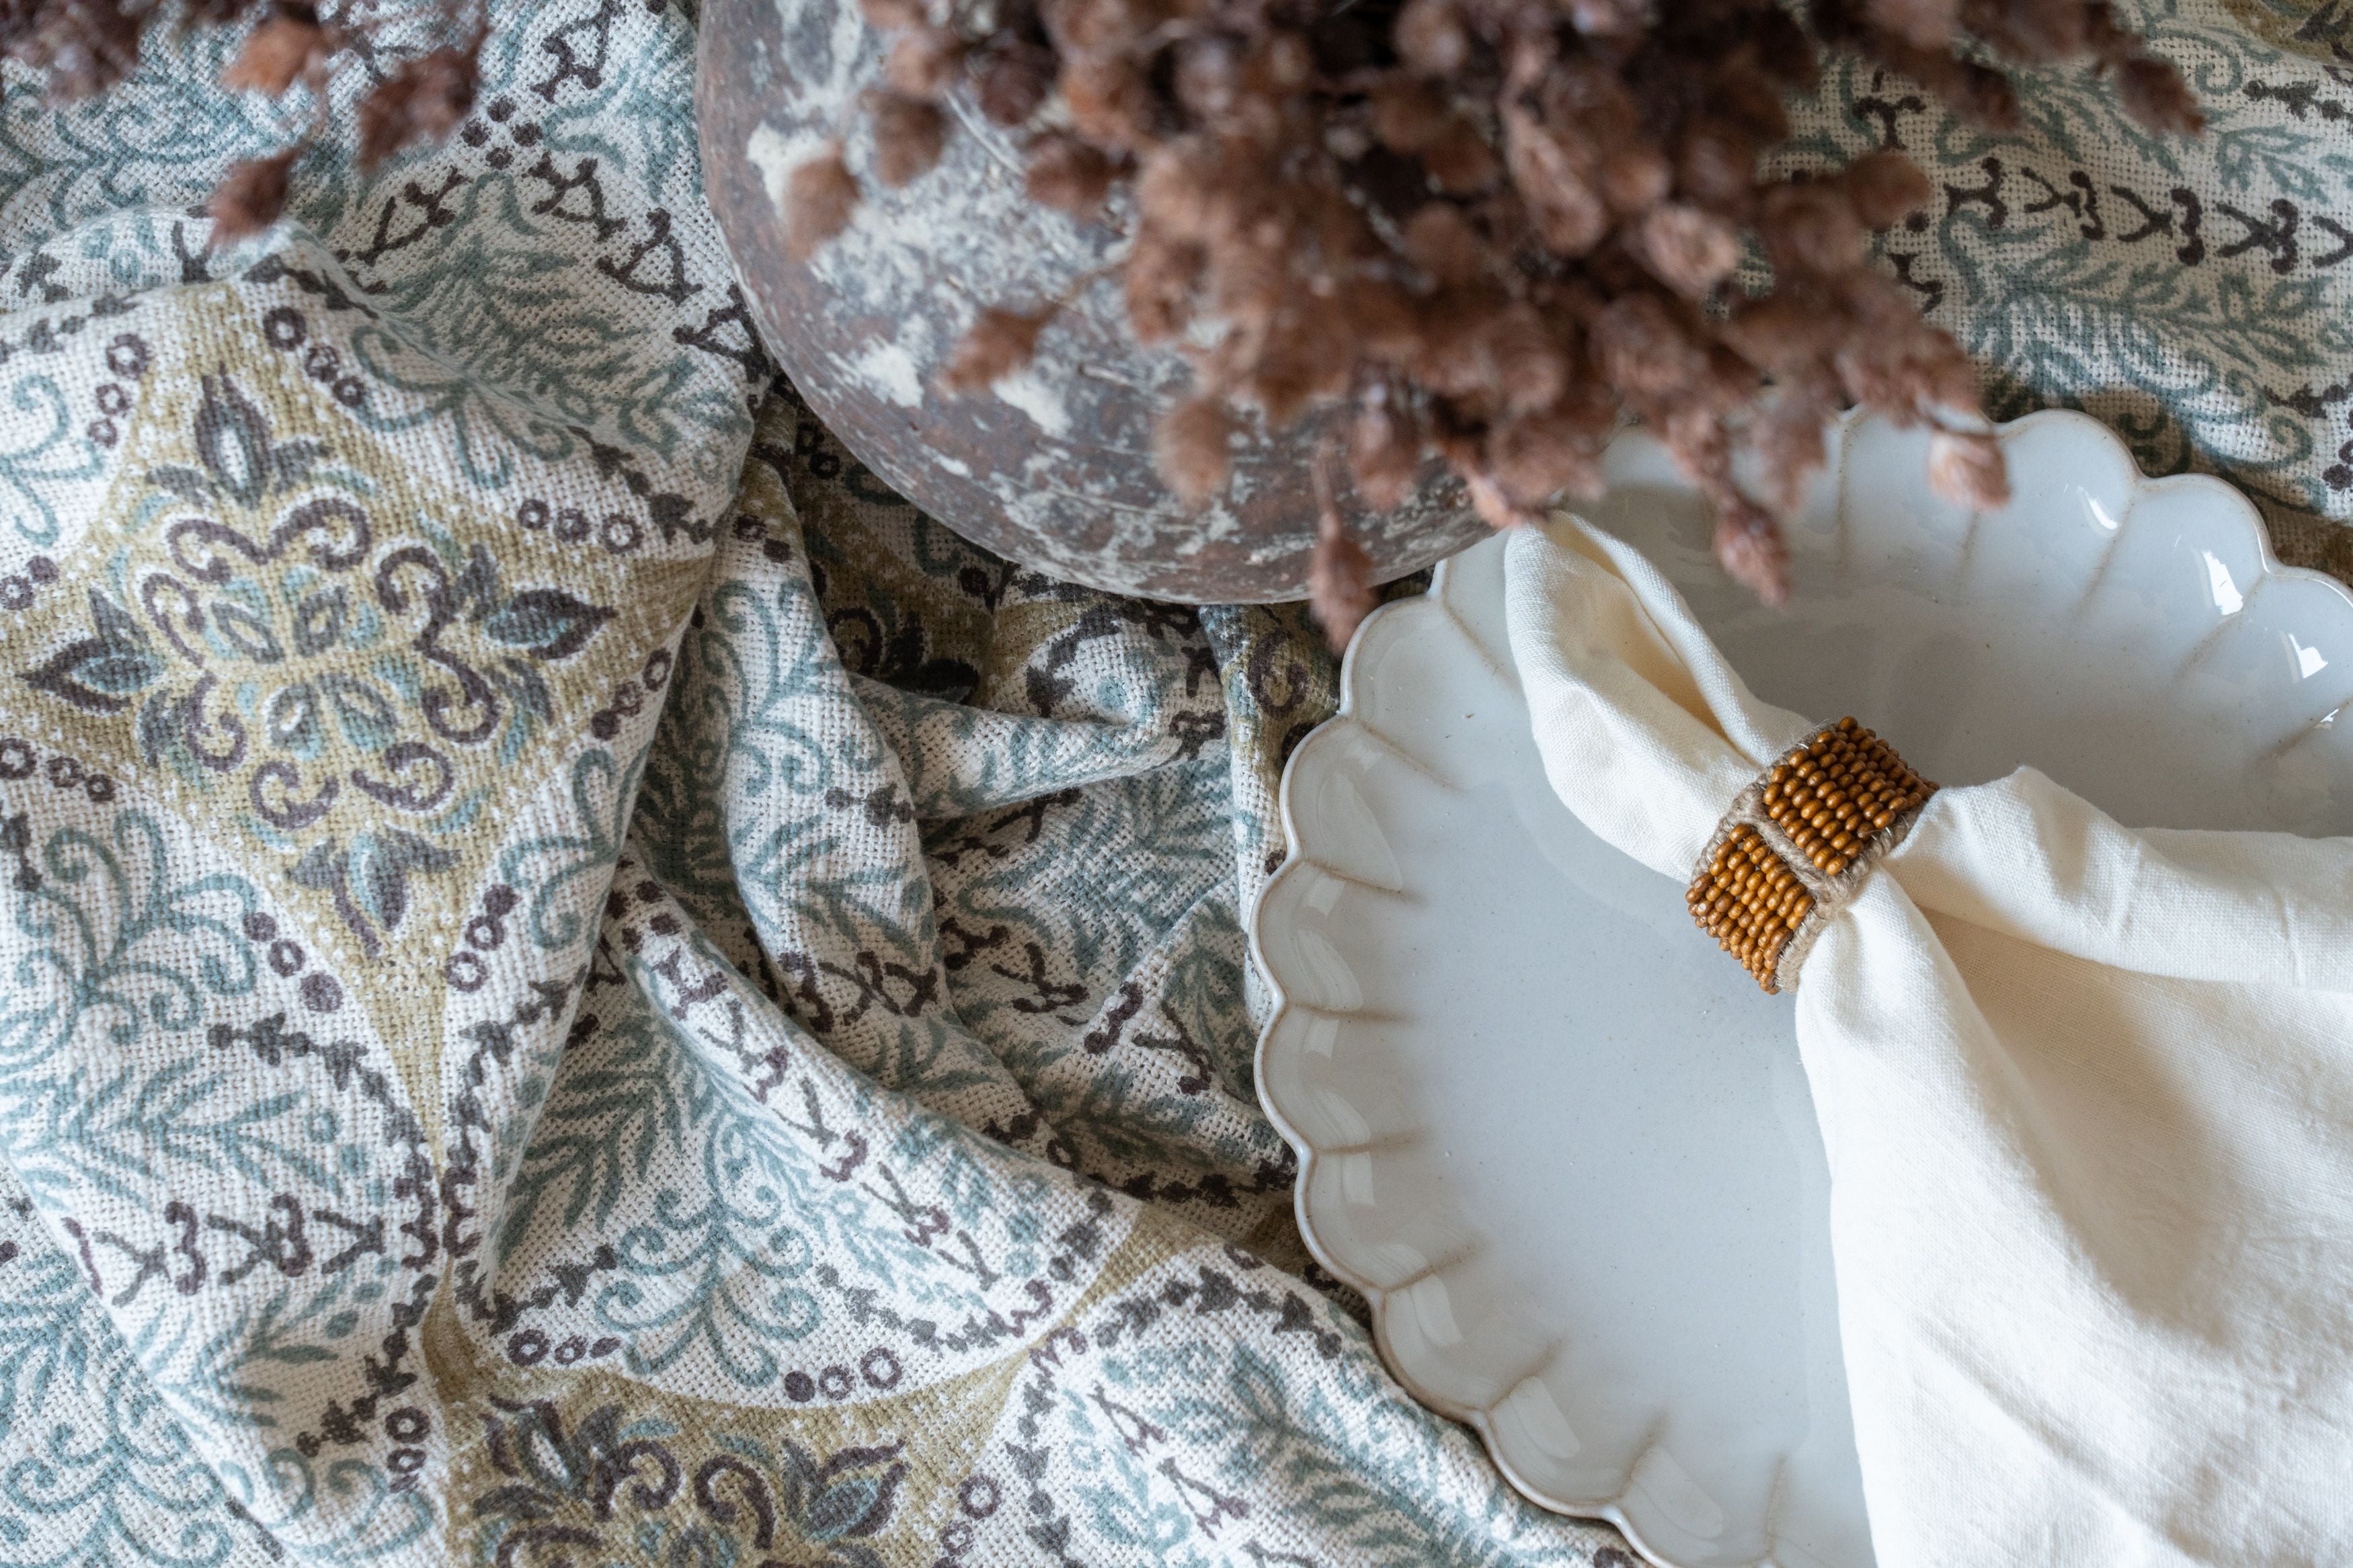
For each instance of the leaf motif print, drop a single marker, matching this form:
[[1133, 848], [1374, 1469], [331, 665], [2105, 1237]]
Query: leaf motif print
[[547, 623], [368, 879], [367, 718], [100, 674], [233, 439], [380, 864], [94, 676], [319, 620], [856, 1505], [248, 634], [113, 622]]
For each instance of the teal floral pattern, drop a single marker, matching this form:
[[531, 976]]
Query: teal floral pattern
[[43, 450], [2192, 294], [255, 630], [581, 983]]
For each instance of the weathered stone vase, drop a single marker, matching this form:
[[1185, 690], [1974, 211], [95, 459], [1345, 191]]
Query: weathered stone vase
[[1054, 470]]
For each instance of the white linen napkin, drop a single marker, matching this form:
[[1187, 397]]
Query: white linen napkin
[[2088, 1096]]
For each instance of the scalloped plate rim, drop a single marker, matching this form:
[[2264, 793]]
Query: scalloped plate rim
[[2228, 498], [2226, 494], [1475, 1417]]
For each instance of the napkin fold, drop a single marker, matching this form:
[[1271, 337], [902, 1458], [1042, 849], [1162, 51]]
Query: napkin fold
[[2087, 1096]]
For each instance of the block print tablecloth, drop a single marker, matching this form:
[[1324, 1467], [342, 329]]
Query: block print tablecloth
[[578, 983]]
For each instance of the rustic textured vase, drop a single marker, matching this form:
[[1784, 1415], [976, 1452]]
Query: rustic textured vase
[[1054, 469]]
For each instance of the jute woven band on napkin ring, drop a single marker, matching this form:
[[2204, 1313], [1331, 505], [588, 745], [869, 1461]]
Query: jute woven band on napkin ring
[[1796, 844]]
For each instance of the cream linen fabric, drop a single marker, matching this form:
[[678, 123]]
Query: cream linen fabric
[[2087, 1094]]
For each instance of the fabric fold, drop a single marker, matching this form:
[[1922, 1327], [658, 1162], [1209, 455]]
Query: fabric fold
[[1633, 695], [2087, 1096]]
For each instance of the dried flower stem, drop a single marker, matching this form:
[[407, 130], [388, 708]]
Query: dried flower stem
[[1340, 574]]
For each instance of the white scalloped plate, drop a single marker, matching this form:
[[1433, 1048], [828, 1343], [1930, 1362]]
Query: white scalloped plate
[[1565, 1146]]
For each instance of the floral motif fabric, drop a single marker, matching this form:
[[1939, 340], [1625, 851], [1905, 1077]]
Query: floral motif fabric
[[579, 983]]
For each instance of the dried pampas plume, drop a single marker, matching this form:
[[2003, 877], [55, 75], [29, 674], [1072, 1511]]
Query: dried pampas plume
[[424, 100], [1192, 449], [1966, 468], [909, 134], [1489, 230], [1339, 574], [281, 48], [818, 200], [250, 197], [999, 343]]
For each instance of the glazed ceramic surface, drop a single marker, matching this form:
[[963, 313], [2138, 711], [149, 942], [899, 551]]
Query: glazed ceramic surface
[[1564, 1145]]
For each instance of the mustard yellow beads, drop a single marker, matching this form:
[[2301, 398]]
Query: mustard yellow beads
[[1841, 795], [1834, 792], [1749, 901]]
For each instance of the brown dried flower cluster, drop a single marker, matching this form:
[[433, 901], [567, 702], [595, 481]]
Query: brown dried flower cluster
[[88, 46], [1490, 228]]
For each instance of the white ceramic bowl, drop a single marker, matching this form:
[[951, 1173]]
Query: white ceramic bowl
[[1563, 1145]]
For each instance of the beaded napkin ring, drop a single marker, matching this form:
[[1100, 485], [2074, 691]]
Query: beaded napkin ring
[[1797, 843]]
